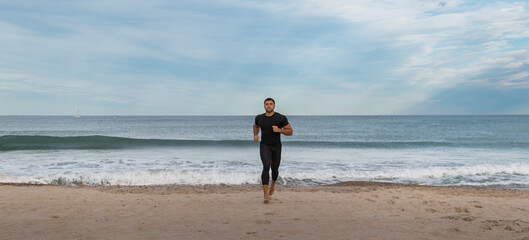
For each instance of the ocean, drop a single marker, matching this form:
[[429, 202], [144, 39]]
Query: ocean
[[466, 151]]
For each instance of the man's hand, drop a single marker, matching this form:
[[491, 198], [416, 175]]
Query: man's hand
[[276, 129], [255, 133]]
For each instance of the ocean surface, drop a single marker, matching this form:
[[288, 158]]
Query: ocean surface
[[474, 151]]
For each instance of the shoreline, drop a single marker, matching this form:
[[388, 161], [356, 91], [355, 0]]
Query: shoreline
[[349, 210], [206, 188]]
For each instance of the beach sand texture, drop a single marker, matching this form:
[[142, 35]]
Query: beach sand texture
[[352, 210]]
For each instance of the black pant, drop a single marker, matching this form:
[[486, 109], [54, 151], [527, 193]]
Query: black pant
[[270, 157]]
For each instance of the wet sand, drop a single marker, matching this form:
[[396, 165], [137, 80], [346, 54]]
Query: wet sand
[[352, 210]]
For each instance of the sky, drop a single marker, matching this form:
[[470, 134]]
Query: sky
[[224, 57]]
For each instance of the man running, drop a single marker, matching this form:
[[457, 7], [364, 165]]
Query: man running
[[272, 124]]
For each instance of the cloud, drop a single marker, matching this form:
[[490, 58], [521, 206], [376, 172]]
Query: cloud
[[356, 57], [448, 44]]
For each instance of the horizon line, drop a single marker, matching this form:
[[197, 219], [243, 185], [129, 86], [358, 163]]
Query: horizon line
[[240, 115]]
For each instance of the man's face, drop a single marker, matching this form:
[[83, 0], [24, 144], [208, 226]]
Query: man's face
[[269, 106]]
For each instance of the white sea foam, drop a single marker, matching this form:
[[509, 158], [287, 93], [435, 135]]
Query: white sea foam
[[133, 178], [451, 172], [477, 175]]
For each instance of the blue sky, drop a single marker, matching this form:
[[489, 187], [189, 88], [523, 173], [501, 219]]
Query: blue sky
[[224, 57]]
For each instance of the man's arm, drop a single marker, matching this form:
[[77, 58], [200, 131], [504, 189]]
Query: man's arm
[[287, 130], [255, 133]]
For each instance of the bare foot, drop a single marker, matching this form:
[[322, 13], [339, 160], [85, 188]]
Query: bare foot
[[266, 195], [272, 188]]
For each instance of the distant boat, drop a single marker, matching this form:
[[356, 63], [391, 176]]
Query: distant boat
[[77, 115]]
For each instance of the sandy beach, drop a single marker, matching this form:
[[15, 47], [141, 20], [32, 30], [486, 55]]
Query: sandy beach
[[352, 210]]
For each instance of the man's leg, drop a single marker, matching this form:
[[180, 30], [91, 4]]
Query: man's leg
[[276, 160], [265, 175]]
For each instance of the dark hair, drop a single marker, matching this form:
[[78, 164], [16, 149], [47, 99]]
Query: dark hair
[[270, 99]]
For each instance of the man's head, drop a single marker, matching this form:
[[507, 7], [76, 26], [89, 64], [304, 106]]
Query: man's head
[[269, 105]]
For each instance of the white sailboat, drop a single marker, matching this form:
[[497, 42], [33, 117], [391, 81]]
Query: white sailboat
[[77, 115]]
